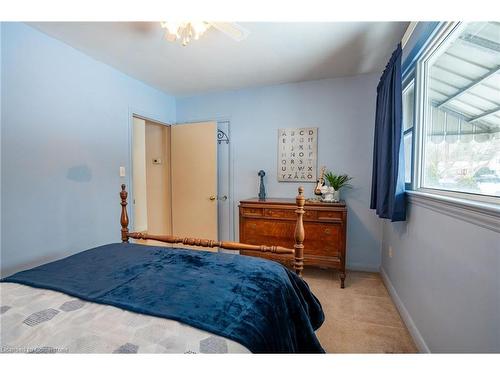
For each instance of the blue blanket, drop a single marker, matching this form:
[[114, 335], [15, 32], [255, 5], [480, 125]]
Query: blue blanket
[[253, 301]]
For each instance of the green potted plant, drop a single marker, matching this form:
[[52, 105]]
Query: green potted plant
[[335, 182]]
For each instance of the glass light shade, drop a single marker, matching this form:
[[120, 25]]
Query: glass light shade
[[184, 31]]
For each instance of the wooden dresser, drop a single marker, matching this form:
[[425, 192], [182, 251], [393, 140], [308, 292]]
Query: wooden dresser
[[272, 222]]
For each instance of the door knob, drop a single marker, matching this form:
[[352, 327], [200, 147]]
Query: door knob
[[212, 197], [223, 198]]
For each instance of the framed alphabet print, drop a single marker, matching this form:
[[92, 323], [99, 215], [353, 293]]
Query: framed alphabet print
[[297, 154]]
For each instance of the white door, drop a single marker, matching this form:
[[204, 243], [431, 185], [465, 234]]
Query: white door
[[194, 180]]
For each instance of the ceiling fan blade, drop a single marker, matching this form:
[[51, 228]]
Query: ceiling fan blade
[[231, 29]]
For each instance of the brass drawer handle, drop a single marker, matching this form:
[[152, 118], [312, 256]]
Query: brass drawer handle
[[328, 231]]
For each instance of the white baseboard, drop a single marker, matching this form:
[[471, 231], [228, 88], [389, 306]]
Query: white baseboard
[[410, 324], [362, 267]]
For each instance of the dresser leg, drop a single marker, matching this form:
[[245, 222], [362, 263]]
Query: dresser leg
[[342, 278]]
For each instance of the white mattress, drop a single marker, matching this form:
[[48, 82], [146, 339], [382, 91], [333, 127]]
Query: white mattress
[[41, 320]]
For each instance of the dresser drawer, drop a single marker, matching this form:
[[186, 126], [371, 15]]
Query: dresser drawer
[[261, 231], [330, 215], [310, 215], [251, 211], [321, 239], [278, 213]]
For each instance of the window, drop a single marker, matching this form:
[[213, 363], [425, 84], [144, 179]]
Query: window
[[461, 133], [408, 122]]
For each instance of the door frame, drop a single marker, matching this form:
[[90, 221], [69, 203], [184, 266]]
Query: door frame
[[230, 178], [128, 178], [153, 118], [232, 190]]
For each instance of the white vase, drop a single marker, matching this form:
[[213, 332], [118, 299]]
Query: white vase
[[329, 194], [336, 195]]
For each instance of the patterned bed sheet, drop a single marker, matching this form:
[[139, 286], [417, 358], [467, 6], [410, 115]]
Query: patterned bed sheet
[[34, 320]]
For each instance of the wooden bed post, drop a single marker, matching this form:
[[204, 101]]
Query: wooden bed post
[[124, 216], [299, 233], [297, 251]]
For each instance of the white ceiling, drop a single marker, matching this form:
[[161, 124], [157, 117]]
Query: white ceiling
[[273, 53]]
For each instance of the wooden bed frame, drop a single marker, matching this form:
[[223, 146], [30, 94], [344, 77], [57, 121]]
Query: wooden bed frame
[[297, 251]]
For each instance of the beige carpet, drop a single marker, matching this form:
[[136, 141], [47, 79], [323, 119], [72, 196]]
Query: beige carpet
[[360, 318]]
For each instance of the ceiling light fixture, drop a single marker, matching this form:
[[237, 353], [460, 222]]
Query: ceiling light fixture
[[188, 30], [184, 31]]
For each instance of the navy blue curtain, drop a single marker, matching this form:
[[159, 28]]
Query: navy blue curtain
[[388, 186]]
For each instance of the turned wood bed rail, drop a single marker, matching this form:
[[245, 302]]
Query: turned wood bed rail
[[297, 251]]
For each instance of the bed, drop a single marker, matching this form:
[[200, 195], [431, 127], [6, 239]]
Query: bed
[[132, 298]]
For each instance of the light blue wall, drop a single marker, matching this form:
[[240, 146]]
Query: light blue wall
[[343, 110], [65, 123], [444, 274]]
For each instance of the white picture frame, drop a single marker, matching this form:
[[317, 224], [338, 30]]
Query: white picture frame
[[297, 154]]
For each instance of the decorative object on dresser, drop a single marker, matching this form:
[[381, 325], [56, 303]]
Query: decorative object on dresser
[[320, 182], [262, 188], [332, 193], [272, 221]]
